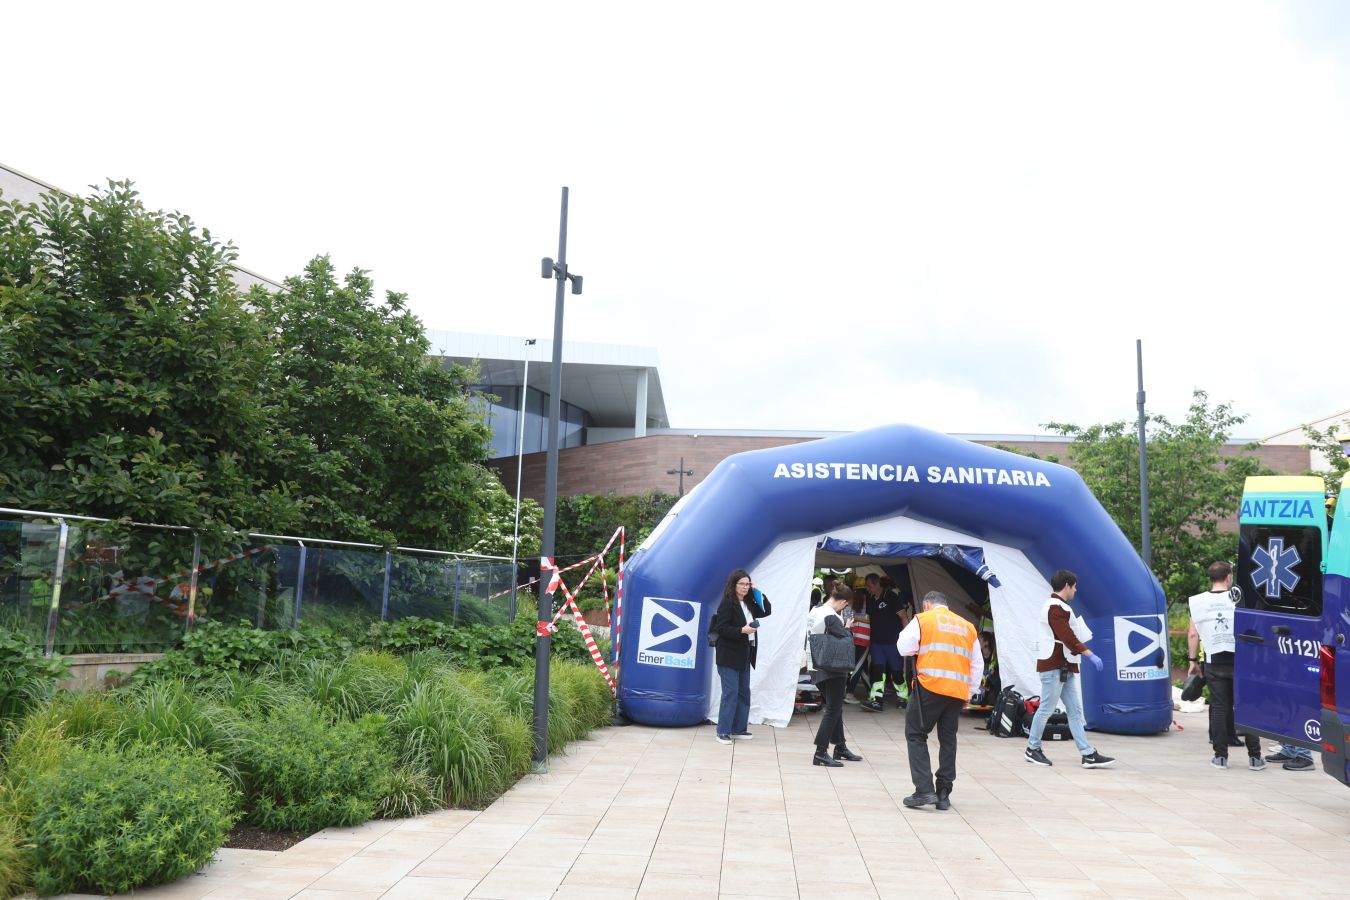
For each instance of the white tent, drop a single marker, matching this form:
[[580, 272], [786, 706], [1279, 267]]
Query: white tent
[[785, 577]]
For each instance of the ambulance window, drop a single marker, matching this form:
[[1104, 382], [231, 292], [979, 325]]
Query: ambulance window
[[1280, 568]]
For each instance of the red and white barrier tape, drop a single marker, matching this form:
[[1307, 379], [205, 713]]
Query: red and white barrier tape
[[618, 599], [147, 586], [570, 604]]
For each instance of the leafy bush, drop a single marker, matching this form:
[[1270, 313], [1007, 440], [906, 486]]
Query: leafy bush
[[26, 677], [477, 646], [305, 773], [586, 521], [118, 819], [212, 647]]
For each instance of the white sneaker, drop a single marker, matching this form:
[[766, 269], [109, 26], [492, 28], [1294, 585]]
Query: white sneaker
[[722, 739], [851, 699]]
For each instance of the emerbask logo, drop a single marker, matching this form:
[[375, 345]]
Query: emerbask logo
[[1141, 648], [668, 636]]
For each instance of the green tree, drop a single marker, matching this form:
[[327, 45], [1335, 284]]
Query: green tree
[[587, 521], [1327, 443], [491, 530], [137, 383], [378, 440], [129, 368], [1192, 485]]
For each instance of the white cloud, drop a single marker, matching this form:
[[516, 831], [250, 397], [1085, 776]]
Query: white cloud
[[956, 215]]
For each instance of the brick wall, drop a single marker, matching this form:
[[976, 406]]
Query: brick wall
[[639, 464]]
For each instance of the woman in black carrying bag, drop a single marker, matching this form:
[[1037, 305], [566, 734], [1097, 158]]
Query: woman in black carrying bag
[[736, 623], [826, 622]]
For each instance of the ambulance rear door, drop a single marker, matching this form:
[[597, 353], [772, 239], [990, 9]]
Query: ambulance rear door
[[1278, 623]]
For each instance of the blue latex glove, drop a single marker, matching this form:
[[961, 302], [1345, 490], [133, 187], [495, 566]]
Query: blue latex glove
[[1096, 662], [759, 597]]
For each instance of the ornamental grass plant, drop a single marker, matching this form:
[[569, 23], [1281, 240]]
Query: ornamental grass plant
[[294, 739]]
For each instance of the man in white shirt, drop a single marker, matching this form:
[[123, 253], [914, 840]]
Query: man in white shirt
[[1212, 626]]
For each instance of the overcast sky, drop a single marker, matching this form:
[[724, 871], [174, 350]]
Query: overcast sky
[[823, 216]]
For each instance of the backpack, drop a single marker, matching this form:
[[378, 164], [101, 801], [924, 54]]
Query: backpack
[[1056, 727], [1008, 715]]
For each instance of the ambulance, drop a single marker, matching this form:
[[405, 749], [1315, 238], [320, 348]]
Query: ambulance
[[1292, 672]]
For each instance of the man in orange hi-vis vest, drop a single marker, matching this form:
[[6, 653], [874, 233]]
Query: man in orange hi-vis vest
[[949, 666]]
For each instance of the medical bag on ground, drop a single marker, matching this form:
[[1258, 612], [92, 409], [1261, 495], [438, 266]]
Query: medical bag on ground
[[1056, 729], [1005, 719]]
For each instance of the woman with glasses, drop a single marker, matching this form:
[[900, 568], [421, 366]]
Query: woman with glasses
[[736, 625]]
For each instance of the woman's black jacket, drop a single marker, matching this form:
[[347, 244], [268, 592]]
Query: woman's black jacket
[[733, 645]]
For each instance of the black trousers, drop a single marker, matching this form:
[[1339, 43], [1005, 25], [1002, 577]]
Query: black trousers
[[927, 711], [831, 729], [1219, 678]]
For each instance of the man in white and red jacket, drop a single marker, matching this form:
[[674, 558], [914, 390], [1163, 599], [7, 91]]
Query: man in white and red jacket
[[1058, 650]]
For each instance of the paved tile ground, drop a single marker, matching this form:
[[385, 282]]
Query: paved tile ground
[[642, 812]]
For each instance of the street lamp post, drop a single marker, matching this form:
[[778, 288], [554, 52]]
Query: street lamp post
[[681, 471], [542, 647], [1146, 543], [520, 462]]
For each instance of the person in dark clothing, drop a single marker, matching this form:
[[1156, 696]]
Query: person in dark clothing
[[888, 611], [736, 624], [825, 619], [948, 666]]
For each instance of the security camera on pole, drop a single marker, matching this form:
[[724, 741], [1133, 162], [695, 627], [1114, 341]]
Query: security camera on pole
[[550, 269]]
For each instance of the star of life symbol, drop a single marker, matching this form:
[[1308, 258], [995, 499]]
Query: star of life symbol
[[1275, 567]]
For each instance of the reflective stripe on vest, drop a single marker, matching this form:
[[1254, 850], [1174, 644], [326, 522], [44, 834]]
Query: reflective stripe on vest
[[946, 653]]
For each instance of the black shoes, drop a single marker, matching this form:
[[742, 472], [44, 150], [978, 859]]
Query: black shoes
[[944, 800], [1036, 757], [823, 759], [917, 800], [1095, 760], [1280, 757], [1298, 764], [842, 752], [871, 706]]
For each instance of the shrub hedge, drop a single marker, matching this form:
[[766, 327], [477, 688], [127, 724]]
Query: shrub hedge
[[117, 818], [299, 734], [305, 773]]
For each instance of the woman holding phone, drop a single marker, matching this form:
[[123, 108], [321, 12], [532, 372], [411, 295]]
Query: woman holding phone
[[827, 619], [736, 623]]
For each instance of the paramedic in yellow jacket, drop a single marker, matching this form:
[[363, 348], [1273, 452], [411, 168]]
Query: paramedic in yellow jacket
[[949, 666]]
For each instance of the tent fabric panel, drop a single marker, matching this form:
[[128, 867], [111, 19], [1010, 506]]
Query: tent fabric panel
[[970, 558]]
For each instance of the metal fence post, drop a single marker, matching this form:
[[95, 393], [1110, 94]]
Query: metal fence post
[[300, 580], [192, 580], [384, 600], [58, 574], [459, 580]]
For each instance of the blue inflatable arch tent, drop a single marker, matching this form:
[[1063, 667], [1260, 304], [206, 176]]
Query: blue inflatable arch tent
[[886, 493]]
